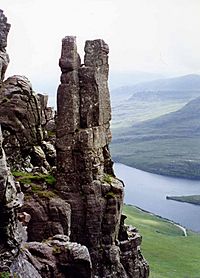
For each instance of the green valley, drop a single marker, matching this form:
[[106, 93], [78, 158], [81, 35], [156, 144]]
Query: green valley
[[169, 253], [167, 144], [148, 100]]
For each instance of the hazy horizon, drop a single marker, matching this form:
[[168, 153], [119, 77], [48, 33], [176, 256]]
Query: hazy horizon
[[158, 38]]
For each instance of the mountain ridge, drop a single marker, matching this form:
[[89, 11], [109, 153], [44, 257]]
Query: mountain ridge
[[183, 82], [136, 106]]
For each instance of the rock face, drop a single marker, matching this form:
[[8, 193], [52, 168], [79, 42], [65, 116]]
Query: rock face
[[13, 223], [12, 226], [26, 120], [85, 175], [49, 216], [58, 257], [76, 229], [4, 59], [11, 199], [24, 125]]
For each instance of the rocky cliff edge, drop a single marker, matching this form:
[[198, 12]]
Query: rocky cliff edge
[[61, 213]]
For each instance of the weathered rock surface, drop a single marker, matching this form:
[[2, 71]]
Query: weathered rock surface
[[12, 231], [26, 121], [25, 117], [24, 125], [87, 203], [49, 216], [58, 257], [4, 59], [85, 176]]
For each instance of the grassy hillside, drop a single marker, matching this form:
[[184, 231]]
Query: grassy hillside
[[132, 111], [167, 145], [169, 253]]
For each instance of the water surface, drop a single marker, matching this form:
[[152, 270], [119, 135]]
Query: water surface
[[148, 191]]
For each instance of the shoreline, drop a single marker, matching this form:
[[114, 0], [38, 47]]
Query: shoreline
[[175, 198], [182, 228], [192, 178]]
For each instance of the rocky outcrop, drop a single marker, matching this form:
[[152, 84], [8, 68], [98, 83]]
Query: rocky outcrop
[[25, 117], [4, 59], [76, 228], [11, 199], [58, 257], [85, 177], [24, 127], [26, 120], [50, 215], [13, 224]]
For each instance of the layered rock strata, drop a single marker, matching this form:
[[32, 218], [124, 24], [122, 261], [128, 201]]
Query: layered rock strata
[[85, 175]]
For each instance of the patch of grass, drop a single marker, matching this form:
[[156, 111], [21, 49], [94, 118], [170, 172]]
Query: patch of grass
[[169, 253], [51, 133], [49, 179], [110, 194], [36, 188], [36, 181], [4, 274], [42, 193], [107, 178], [56, 250], [48, 194], [29, 178]]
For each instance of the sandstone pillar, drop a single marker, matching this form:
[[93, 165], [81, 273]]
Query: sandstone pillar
[[85, 176]]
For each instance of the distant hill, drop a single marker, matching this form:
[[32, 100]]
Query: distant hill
[[184, 122], [168, 145], [183, 83], [149, 100], [119, 79]]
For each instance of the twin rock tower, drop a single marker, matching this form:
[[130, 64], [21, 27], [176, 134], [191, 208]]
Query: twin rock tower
[[85, 176]]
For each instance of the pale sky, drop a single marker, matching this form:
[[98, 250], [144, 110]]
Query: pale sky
[[161, 36]]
